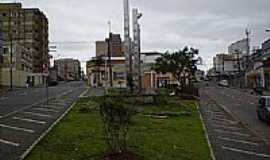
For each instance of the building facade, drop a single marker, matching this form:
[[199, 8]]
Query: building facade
[[25, 35], [98, 73], [116, 46], [68, 69], [241, 46], [226, 64]]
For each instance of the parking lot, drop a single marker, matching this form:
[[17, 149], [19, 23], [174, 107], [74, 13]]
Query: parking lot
[[20, 130], [230, 138]]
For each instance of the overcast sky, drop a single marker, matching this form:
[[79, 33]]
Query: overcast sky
[[209, 25]]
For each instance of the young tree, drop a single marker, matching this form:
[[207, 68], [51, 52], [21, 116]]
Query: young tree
[[181, 64]]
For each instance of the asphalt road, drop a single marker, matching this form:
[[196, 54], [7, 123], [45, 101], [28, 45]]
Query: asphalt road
[[25, 116], [232, 124]]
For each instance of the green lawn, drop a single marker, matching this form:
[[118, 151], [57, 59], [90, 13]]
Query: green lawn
[[79, 136]]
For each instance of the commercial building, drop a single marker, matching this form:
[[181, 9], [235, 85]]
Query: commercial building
[[25, 35], [68, 69], [259, 76], [226, 64], [98, 69]]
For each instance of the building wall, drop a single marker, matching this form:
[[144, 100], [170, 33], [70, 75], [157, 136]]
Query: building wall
[[227, 61], [116, 46], [96, 73], [266, 47], [241, 46], [101, 48], [68, 69], [28, 28]]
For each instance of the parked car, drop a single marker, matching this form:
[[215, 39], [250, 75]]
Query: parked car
[[263, 109], [223, 83]]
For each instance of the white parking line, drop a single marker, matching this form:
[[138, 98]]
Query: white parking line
[[246, 152], [9, 143], [238, 141], [226, 127], [17, 128], [225, 120], [29, 120], [3, 98], [37, 114], [46, 110], [23, 94], [231, 132]]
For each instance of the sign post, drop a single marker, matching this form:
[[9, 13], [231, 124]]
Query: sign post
[[46, 73]]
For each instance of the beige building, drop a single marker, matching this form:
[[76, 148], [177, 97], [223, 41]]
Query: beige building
[[25, 35], [68, 69], [98, 74]]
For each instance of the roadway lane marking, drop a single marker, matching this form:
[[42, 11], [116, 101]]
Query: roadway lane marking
[[231, 132], [29, 120], [37, 114], [46, 110], [9, 143], [17, 128], [246, 152], [238, 141]]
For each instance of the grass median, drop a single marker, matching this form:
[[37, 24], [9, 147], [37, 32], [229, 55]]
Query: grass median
[[80, 135]]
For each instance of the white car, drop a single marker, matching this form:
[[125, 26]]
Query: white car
[[223, 83]]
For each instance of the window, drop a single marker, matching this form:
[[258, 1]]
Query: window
[[6, 50]]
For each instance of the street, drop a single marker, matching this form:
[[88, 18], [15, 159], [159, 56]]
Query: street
[[231, 121], [25, 116]]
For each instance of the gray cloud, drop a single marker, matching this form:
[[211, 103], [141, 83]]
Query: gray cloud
[[210, 25]]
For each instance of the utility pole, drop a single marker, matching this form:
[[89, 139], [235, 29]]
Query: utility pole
[[136, 49], [223, 63], [247, 63], [109, 59], [11, 50], [127, 46]]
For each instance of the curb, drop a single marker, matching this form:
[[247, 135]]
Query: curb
[[26, 153], [82, 95], [206, 134]]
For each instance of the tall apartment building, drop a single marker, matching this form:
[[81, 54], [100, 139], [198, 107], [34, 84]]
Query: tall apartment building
[[68, 69], [25, 34]]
